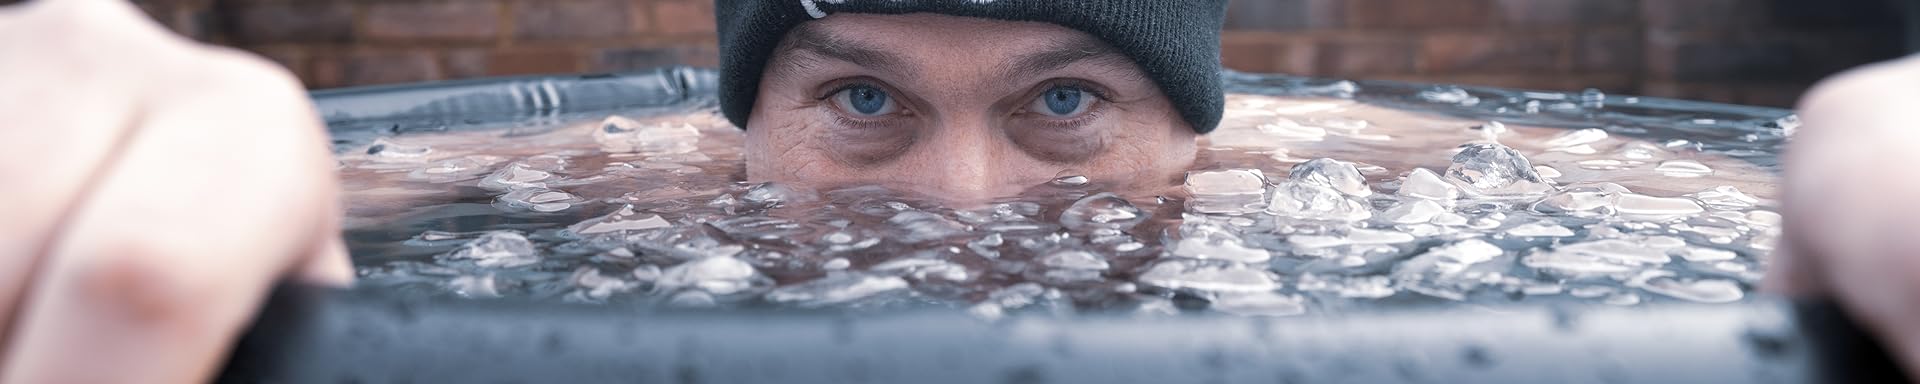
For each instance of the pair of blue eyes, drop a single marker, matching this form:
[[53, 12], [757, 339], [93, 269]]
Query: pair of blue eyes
[[868, 101]]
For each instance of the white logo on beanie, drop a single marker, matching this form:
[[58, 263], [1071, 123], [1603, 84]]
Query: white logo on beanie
[[814, 10]]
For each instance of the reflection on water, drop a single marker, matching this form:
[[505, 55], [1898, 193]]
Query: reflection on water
[[1313, 196]]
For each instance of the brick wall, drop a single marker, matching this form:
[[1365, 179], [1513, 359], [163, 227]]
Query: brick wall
[[1743, 51]]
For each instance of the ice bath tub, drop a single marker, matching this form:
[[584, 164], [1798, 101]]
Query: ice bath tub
[[373, 335]]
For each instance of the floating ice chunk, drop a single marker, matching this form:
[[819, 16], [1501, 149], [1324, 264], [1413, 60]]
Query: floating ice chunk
[[1207, 275], [1649, 206], [1583, 200], [539, 199], [1339, 175], [1582, 149], [924, 268], [385, 151], [1449, 95], [1699, 291], [626, 219], [1425, 184], [1355, 236], [1577, 138], [836, 289], [1574, 263], [1415, 211], [498, 249], [646, 273], [1226, 182], [1683, 168], [1593, 99], [1073, 266], [1467, 252], [1315, 202], [457, 169], [595, 286], [1203, 240], [1491, 131], [621, 135], [515, 176], [1013, 297], [1103, 210], [1260, 304], [1540, 229], [1703, 255], [922, 226], [1069, 181], [1494, 170], [1618, 251], [777, 193], [1726, 197], [714, 275], [475, 287]]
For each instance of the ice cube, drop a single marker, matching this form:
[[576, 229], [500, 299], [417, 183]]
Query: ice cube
[[1657, 207], [1231, 182], [457, 169], [498, 249], [387, 151], [1260, 304], [770, 194], [539, 199], [1072, 266], [622, 135], [1683, 168], [1205, 240], [1726, 197], [1540, 229], [1315, 202], [595, 286], [1704, 255], [1699, 291], [715, 275], [1494, 170], [626, 219], [1207, 275], [1582, 200], [1339, 175], [1103, 210], [837, 289], [1425, 184], [1415, 211], [920, 226], [1577, 138], [515, 176]]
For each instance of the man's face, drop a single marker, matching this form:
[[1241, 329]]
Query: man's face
[[961, 107]]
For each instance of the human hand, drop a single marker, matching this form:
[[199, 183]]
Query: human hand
[[155, 190], [1851, 232]]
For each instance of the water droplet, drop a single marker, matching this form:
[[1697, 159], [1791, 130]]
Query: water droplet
[[1069, 181]]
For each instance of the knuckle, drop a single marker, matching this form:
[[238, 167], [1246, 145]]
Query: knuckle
[[144, 283]]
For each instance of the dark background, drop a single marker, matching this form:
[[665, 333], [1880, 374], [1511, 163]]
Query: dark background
[[1764, 52]]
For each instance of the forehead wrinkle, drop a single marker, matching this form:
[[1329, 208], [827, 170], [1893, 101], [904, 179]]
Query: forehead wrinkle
[[809, 42], [1062, 53]]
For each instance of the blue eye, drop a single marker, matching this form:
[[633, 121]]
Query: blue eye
[[1063, 101], [866, 101]]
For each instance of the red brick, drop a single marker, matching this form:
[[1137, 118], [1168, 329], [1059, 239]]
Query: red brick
[[1364, 57], [683, 17], [453, 20], [292, 22], [1570, 12], [380, 68], [1492, 53], [1250, 56], [571, 19], [513, 61], [1403, 14], [1608, 51], [1702, 14], [643, 58]]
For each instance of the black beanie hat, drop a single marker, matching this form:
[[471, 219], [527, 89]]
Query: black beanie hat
[[1177, 42]]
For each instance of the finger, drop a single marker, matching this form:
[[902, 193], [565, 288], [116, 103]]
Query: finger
[[1846, 201], [216, 194]]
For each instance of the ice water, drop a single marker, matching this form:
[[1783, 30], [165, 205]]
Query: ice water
[[1310, 198]]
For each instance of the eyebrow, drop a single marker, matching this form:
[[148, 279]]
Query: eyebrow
[[1063, 53], [818, 42]]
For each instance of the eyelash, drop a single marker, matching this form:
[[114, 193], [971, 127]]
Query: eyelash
[[1100, 95]]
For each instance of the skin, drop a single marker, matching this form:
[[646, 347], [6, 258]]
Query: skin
[[963, 126], [128, 253], [128, 246]]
